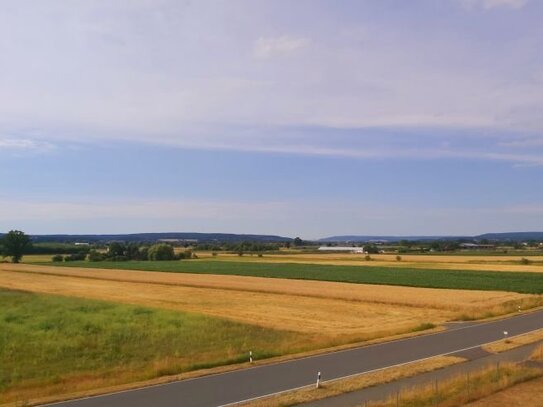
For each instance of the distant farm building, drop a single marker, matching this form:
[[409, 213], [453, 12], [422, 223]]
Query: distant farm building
[[359, 250]]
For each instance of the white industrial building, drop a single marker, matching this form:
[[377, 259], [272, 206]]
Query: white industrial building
[[359, 250]]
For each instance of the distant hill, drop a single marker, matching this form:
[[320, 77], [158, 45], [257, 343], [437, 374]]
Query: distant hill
[[516, 236], [511, 236], [233, 237], [369, 238], [153, 237]]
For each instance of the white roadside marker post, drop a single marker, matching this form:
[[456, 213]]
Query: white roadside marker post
[[318, 380], [250, 356], [505, 333]]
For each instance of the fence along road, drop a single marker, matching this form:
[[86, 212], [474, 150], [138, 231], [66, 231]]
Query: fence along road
[[231, 387]]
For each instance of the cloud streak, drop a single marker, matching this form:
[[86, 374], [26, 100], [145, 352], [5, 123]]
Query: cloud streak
[[494, 4], [199, 75], [278, 46], [23, 144]]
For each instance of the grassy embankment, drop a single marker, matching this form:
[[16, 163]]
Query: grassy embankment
[[53, 345], [531, 283], [459, 391]]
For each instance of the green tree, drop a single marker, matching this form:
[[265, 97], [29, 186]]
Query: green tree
[[15, 243], [116, 249], [161, 251], [405, 243], [144, 253], [298, 241], [371, 249]]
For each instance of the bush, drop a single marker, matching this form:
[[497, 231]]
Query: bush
[[96, 256], [368, 257], [161, 251], [398, 258], [76, 257], [524, 260], [371, 249], [187, 254], [144, 253], [57, 258], [214, 254]]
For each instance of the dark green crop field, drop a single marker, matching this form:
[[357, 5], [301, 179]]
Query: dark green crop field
[[521, 282]]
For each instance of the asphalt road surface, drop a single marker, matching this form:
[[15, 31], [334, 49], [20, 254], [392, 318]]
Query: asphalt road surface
[[236, 386]]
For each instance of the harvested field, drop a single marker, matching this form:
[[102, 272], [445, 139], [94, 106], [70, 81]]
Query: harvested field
[[531, 283], [421, 261], [451, 262], [451, 300], [334, 310]]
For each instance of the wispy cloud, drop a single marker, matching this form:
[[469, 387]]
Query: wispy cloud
[[492, 4], [83, 72], [277, 46], [22, 144]]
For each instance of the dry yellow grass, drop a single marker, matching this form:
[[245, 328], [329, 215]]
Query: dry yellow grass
[[537, 354], [523, 394], [514, 342], [333, 388], [336, 309], [483, 263], [527, 394], [456, 392]]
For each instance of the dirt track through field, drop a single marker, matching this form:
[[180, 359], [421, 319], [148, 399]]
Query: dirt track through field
[[334, 309]]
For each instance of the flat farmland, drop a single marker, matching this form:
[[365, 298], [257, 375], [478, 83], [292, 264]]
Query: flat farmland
[[522, 282], [421, 261], [331, 312], [510, 263], [65, 329]]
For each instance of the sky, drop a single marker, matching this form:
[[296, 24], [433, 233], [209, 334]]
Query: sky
[[306, 118]]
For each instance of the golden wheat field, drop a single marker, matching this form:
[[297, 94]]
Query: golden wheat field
[[334, 310], [450, 262], [446, 262]]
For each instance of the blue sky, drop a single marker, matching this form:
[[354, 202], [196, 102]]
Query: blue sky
[[307, 118]]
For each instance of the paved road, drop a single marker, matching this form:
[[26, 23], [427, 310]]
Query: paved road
[[245, 384], [385, 391]]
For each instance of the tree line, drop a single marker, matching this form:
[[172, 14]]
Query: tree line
[[118, 251]]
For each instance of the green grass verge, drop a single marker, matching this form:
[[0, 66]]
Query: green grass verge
[[531, 283], [53, 344]]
